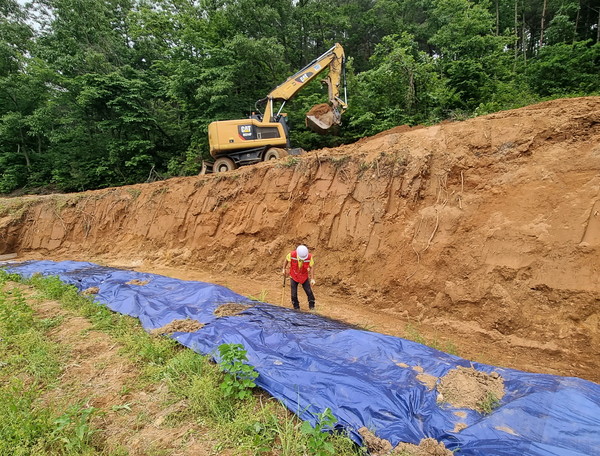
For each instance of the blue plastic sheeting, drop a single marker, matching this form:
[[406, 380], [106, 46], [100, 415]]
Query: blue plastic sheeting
[[311, 363]]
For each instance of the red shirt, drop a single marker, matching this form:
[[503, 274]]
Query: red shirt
[[299, 268]]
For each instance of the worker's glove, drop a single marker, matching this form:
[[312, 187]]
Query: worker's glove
[[283, 272], [312, 281]]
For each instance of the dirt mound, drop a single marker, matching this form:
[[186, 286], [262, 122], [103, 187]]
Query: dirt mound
[[380, 447], [486, 230], [465, 387], [319, 110], [374, 444], [230, 309], [391, 131], [137, 282], [188, 325], [91, 291], [427, 447]]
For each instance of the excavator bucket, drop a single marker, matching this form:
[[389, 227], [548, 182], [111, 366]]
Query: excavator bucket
[[322, 118]]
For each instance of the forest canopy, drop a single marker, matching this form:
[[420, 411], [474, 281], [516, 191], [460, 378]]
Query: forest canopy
[[106, 93]]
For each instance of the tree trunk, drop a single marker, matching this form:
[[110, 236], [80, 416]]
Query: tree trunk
[[576, 22], [516, 36], [542, 23], [26, 155], [523, 44], [24, 150], [497, 19]]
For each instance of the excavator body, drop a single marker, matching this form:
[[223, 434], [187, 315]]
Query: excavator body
[[265, 136]]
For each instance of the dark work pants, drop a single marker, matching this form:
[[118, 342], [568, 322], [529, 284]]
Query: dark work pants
[[307, 289]]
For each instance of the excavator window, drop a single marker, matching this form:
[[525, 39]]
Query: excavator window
[[267, 132]]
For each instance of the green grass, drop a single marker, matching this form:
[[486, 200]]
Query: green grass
[[290, 162], [488, 403], [31, 363], [253, 426], [15, 207], [260, 297], [412, 333]]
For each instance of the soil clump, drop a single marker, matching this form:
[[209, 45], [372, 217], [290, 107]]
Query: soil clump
[[465, 387], [230, 309], [428, 380], [427, 447], [381, 447], [137, 282], [319, 110], [90, 291], [375, 445], [188, 325]]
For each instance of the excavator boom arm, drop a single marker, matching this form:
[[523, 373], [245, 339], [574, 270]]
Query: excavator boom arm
[[332, 59]]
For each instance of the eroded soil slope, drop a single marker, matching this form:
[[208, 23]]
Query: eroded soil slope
[[488, 228]]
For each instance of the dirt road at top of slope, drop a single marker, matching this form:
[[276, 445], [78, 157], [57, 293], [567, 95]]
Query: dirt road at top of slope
[[485, 232]]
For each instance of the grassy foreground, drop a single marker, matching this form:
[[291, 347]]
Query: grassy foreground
[[32, 364]]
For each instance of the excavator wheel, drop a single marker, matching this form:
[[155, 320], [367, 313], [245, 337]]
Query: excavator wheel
[[223, 164], [275, 153]]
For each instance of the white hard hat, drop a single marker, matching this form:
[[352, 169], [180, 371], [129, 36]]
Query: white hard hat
[[302, 252]]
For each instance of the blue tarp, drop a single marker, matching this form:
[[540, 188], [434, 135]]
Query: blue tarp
[[310, 363]]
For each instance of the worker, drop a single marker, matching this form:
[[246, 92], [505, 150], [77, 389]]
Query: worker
[[301, 271]]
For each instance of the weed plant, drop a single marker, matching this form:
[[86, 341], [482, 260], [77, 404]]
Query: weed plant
[[134, 192], [261, 297], [239, 377], [253, 426], [339, 162], [488, 403], [16, 207], [317, 440], [290, 162]]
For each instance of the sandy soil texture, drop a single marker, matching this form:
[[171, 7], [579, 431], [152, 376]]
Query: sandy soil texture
[[187, 325]]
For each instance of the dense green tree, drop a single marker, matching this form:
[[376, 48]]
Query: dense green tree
[[404, 87], [561, 28], [98, 93], [472, 56], [85, 36], [566, 69], [22, 93]]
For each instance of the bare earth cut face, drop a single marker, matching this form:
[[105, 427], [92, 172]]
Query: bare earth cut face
[[483, 235]]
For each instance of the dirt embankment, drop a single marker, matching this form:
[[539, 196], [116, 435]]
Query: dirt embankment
[[488, 227]]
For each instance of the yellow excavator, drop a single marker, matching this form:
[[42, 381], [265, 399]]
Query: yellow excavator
[[265, 136]]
